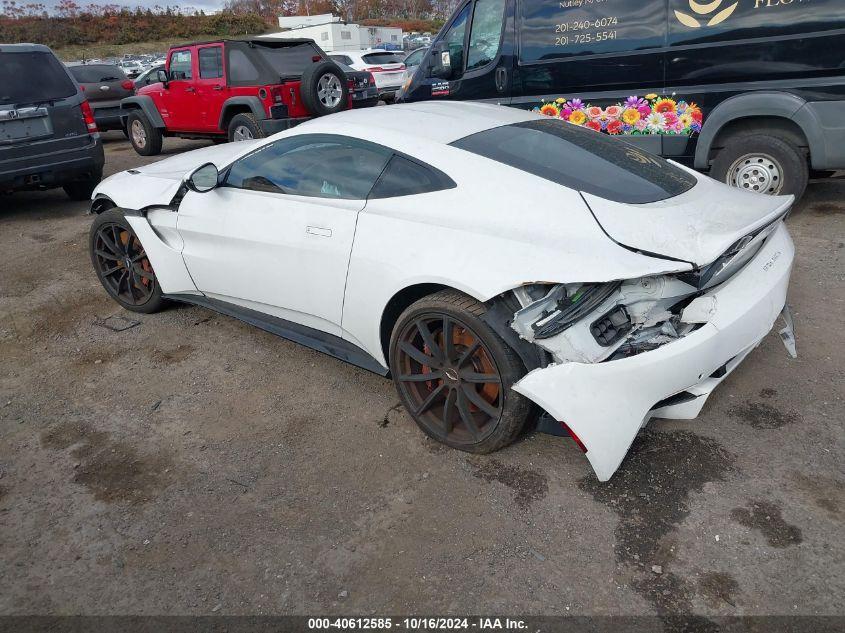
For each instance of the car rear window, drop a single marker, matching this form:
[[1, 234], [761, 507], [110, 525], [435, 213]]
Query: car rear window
[[95, 73], [381, 58], [17, 74], [291, 60], [581, 159]]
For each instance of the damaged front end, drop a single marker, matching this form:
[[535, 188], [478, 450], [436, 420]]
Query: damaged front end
[[618, 353]]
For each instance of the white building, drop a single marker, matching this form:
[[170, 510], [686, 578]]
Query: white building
[[333, 35]]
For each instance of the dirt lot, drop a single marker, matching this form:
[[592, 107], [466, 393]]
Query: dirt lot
[[195, 465]]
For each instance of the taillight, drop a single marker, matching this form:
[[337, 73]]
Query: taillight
[[372, 80], [127, 85], [277, 94], [401, 67], [88, 117], [574, 437]]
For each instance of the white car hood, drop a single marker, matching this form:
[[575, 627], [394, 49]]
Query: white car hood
[[157, 183], [696, 227], [177, 166]]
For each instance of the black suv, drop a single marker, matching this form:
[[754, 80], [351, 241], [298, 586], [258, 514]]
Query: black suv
[[48, 136]]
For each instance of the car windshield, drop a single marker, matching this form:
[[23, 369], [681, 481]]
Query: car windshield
[[17, 71], [94, 73], [581, 159], [291, 60], [382, 58]]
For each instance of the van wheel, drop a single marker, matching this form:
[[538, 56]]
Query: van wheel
[[144, 136], [455, 375], [245, 127], [763, 164]]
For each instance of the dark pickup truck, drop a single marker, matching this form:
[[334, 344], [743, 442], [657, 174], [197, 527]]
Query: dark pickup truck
[[48, 136]]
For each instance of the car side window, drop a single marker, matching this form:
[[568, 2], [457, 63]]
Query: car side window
[[404, 177], [241, 68], [180, 65], [485, 36], [313, 165], [211, 62]]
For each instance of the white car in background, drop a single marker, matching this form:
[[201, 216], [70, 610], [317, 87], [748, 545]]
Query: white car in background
[[483, 256], [387, 67]]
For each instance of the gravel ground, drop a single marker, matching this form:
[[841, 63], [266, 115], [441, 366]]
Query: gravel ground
[[192, 464]]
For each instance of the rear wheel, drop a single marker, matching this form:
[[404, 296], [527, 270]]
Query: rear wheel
[[763, 164], [82, 189], [144, 136], [122, 265], [245, 127], [454, 374]]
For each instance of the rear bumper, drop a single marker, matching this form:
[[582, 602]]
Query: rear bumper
[[46, 167], [272, 126], [606, 404]]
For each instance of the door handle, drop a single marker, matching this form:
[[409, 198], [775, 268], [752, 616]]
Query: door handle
[[190, 89], [217, 88], [318, 230], [501, 78]]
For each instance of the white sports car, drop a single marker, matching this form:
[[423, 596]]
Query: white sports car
[[484, 257]]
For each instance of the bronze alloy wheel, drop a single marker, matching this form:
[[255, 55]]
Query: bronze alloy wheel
[[122, 265], [449, 378]]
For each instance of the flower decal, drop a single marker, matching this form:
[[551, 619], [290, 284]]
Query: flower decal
[[578, 117], [636, 116], [665, 106], [550, 109]]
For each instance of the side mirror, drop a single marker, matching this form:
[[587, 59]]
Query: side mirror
[[203, 179], [163, 77], [441, 61]]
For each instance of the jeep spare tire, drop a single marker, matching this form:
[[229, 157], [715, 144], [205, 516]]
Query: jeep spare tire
[[325, 88]]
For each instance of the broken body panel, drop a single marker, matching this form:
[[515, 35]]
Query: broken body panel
[[606, 403]]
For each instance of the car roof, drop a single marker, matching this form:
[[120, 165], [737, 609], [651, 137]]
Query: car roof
[[442, 122], [246, 40], [24, 48]]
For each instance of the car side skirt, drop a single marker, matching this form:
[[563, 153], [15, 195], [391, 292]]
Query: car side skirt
[[309, 337]]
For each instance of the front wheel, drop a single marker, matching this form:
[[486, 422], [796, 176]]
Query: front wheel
[[122, 265], [763, 164], [454, 374]]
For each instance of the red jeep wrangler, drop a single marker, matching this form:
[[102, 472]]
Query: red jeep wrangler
[[239, 89]]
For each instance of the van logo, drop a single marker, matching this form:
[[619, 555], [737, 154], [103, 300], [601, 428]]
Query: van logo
[[706, 9], [12, 114]]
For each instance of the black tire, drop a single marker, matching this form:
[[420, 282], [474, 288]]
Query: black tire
[[244, 127], [783, 167], [148, 139], [459, 405], [82, 189], [111, 241], [311, 88]]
